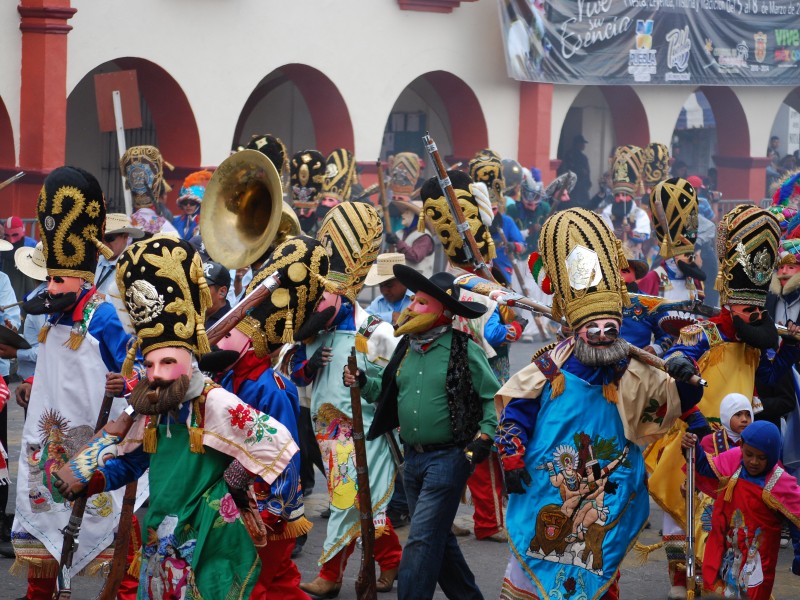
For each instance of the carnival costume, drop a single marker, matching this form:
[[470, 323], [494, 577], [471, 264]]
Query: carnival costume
[[306, 175], [203, 447], [79, 345], [571, 431], [626, 180], [143, 170]]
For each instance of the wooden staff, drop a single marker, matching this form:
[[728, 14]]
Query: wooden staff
[[690, 541], [365, 584], [119, 564], [387, 219]]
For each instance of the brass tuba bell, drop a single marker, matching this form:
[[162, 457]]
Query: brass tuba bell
[[241, 209]]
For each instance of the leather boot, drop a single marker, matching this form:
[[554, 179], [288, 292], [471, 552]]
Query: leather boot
[[321, 588]]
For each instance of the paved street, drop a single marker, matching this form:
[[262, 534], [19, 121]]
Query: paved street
[[487, 559]]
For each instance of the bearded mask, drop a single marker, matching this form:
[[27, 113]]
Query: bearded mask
[[424, 313]]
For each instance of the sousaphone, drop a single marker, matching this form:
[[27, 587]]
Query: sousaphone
[[242, 209]]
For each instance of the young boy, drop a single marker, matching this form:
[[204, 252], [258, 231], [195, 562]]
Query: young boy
[[755, 495]]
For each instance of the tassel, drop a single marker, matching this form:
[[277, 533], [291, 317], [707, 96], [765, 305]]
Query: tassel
[[107, 252], [362, 344], [136, 564], [203, 347], [196, 440], [610, 392], [130, 358], [42, 337], [150, 442], [557, 385], [421, 222], [74, 341], [729, 487], [643, 551], [288, 329]]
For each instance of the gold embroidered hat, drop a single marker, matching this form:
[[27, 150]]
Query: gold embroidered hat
[[404, 169], [274, 149], [306, 175], [143, 169], [626, 174], [351, 234], [583, 259], [747, 247], [436, 211], [302, 265], [340, 169], [487, 167], [655, 167], [162, 283], [673, 204], [72, 213]]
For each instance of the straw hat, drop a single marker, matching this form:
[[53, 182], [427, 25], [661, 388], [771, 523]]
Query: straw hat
[[121, 223], [5, 246], [31, 262], [381, 270]]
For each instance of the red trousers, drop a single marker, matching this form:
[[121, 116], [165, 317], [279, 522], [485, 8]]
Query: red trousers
[[43, 588], [279, 577], [387, 554], [486, 486]]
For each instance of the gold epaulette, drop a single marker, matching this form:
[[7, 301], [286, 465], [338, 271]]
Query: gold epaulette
[[692, 334]]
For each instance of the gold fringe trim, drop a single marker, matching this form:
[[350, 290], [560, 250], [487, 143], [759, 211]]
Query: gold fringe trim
[[196, 440], [74, 341], [288, 329], [38, 568], [362, 344], [644, 551], [293, 530], [690, 336], [557, 385], [136, 564], [610, 392], [42, 337], [150, 442]]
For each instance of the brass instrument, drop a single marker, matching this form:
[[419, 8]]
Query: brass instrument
[[242, 209], [289, 226]]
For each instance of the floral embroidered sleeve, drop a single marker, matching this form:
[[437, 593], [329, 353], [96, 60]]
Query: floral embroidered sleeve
[[516, 424]]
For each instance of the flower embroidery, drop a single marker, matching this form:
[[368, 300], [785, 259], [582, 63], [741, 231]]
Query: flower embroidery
[[228, 509], [654, 412], [240, 416], [255, 424]]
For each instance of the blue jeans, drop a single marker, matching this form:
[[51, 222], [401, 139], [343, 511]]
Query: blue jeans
[[434, 482]]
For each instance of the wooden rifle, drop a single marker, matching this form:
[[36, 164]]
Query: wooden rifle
[[691, 580], [11, 179], [366, 587], [73, 528], [470, 246], [119, 565]]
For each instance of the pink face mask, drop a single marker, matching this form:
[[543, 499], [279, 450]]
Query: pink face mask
[[329, 201], [168, 364], [14, 235], [235, 341], [424, 313], [785, 273], [58, 284], [329, 299], [599, 331]]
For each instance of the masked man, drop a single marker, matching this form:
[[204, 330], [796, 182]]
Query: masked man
[[734, 352], [81, 352], [571, 422], [629, 222], [438, 388], [306, 174], [351, 232], [261, 333], [203, 445], [143, 170]]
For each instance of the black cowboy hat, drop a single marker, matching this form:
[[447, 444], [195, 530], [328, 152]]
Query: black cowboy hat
[[441, 287]]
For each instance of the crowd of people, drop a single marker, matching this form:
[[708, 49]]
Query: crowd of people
[[668, 328]]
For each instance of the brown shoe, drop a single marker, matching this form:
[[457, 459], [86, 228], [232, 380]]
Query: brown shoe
[[386, 580], [459, 531], [321, 588], [500, 536]]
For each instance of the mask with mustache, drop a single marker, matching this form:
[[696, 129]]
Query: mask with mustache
[[159, 397], [621, 209], [44, 303], [322, 211], [413, 322], [690, 269], [762, 334], [600, 355]]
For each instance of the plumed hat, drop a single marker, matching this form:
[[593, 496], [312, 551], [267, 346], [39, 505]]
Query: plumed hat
[[436, 211], [351, 234], [747, 246], [162, 283], [302, 265], [403, 174], [143, 169], [626, 173], [785, 199], [655, 165], [486, 167], [673, 204], [72, 212], [340, 169], [194, 186], [583, 259], [274, 149], [306, 174]]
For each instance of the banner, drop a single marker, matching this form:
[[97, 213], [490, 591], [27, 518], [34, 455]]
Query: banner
[[625, 42]]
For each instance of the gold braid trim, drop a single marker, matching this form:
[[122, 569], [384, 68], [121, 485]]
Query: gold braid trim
[[542, 350], [643, 552]]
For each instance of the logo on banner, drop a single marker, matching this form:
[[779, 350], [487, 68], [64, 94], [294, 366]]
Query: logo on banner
[[642, 60], [679, 46], [761, 46]]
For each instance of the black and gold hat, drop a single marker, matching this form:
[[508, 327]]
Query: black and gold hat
[[673, 204], [747, 246], [306, 175], [655, 167], [404, 169], [582, 259], [302, 264], [351, 234], [143, 169], [162, 283], [340, 169], [487, 167], [274, 149], [436, 211], [72, 213], [626, 174]]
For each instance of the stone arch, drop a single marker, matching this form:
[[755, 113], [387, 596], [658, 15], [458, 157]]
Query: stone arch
[[319, 115], [168, 122]]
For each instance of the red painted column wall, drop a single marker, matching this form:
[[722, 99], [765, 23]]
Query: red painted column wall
[[535, 108]]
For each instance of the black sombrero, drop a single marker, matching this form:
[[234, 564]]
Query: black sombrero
[[441, 287]]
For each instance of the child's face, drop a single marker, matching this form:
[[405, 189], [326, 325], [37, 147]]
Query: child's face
[[754, 461], [740, 420]]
